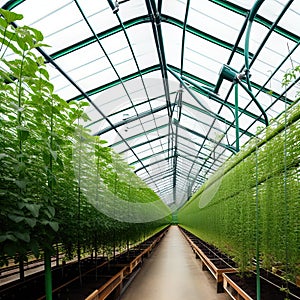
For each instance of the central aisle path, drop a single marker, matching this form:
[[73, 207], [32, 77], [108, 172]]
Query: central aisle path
[[173, 273]]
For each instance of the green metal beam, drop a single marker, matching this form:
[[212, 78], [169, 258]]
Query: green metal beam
[[160, 137], [116, 82], [141, 20], [259, 19], [195, 160], [9, 5], [139, 135], [206, 91], [164, 136], [201, 34], [155, 19], [162, 160], [228, 147], [205, 159], [158, 176], [187, 8], [219, 118], [104, 34], [132, 119]]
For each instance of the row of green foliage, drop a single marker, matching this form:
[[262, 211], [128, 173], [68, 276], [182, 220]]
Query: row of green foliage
[[255, 192], [54, 176]]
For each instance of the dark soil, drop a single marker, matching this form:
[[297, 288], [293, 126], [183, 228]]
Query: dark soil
[[273, 287], [33, 287], [270, 286], [221, 264]]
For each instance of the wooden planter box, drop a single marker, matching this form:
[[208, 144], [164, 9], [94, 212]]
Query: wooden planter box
[[216, 272], [106, 289], [213, 265], [271, 287], [216, 265], [133, 264], [233, 290], [128, 267]]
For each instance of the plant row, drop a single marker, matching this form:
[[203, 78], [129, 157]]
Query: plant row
[[251, 204], [59, 184]]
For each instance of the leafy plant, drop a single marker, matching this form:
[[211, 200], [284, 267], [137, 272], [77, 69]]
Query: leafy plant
[[51, 176], [229, 220]]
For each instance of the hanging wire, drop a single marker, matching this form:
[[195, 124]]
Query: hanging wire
[[286, 205], [257, 222]]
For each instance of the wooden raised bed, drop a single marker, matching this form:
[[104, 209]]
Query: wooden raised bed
[[217, 272], [217, 264], [106, 289], [271, 286], [233, 290], [128, 262]]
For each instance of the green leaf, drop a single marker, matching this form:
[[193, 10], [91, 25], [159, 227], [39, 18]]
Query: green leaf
[[21, 184], [34, 209], [22, 236], [60, 163], [8, 236], [46, 159], [34, 247], [23, 133], [10, 16], [10, 249], [3, 155], [54, 226], [29, 68], [85, 117], [15, 49], [31, 222], [53, 154], [51, 210], [37, 34], [16, 218], [44, 72], [21, 205], [41, 45], [24, 38], [3, 23]]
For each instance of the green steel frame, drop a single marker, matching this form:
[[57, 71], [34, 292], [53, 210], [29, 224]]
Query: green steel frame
[[196, 87]]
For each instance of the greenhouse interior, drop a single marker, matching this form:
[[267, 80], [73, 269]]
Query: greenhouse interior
[[124, 122]]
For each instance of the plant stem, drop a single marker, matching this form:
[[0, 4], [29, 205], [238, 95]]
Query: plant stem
[[48, 276]]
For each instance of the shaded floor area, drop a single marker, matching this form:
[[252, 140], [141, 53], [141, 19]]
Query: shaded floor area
[[172, 272]]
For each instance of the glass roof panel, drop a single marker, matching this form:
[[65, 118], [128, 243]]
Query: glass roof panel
[[67, 26], [131, 9], [208, 17], [152, 121], [99, 14], [143, 44], [172, 37], [203, 57], [288, 20], [176, 9]]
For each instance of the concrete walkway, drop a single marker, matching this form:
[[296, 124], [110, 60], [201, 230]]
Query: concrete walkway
[[173, 273]]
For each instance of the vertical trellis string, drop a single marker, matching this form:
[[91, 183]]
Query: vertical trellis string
[[286, 208], [257, 223]]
